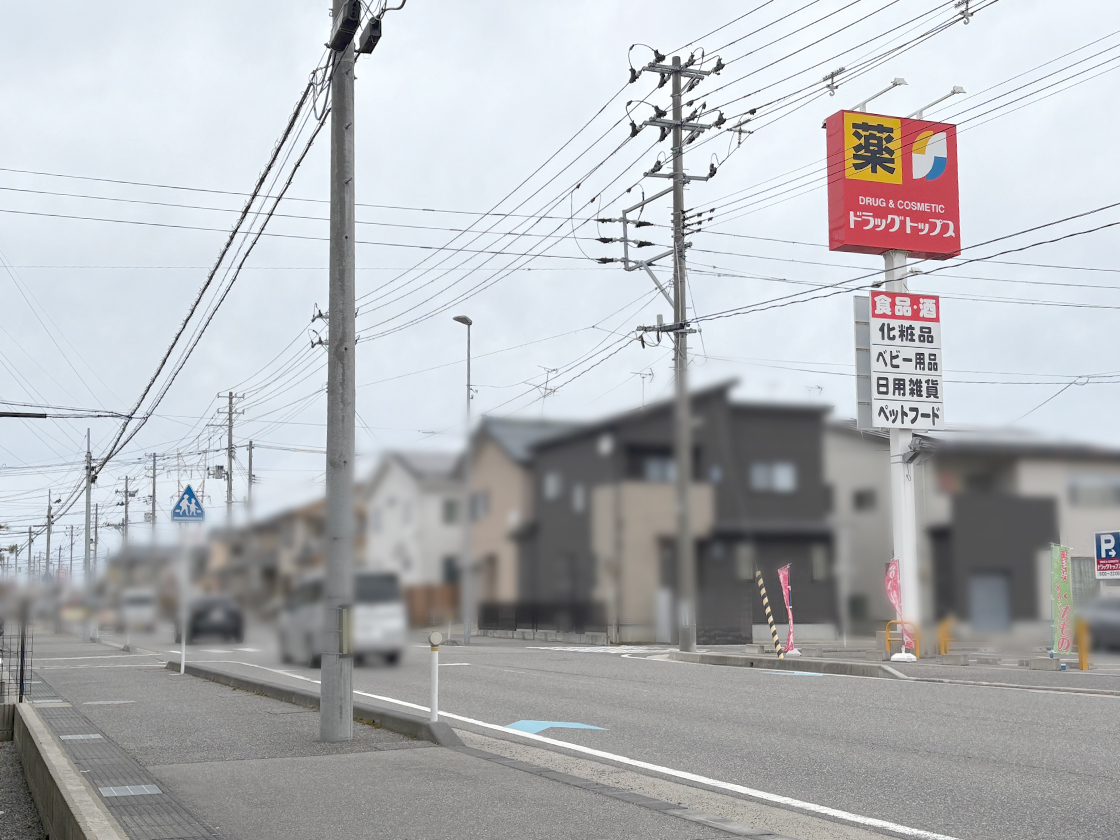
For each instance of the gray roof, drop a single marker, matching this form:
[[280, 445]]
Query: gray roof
[[1004, 442], [518, 437], [428, 465]]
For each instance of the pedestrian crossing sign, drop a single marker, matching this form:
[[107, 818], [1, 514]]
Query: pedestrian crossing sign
[[187, 509]]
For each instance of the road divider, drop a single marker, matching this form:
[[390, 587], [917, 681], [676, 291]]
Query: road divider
[[410, 725]]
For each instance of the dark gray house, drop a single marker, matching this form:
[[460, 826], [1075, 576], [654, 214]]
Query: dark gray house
[[602, 533]]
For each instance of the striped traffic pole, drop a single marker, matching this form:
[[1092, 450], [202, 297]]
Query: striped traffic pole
[[769, 616]]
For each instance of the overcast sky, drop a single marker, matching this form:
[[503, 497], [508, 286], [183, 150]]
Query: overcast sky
[[458, 106]]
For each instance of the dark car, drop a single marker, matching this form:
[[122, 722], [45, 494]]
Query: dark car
[[213, 615], [1103, 617]]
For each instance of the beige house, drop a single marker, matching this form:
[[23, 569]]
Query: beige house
[[502, 499], [632, 523]]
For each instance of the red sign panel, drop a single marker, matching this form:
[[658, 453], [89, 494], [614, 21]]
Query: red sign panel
[[892, 185]]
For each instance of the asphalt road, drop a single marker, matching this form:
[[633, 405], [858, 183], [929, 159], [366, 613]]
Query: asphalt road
[[970, 762]]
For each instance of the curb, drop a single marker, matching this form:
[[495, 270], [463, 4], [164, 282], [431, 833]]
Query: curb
[[68, 806], [863, 669], [816, 666], [412, 726]]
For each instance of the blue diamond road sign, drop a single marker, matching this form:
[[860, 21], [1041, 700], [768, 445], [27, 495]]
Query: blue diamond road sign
[[187, 509]]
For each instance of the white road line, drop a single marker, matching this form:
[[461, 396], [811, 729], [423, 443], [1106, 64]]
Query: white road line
[[777, 799], [452, 664], [103, 656]]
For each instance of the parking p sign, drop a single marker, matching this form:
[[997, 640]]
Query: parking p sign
[[1108, 554]]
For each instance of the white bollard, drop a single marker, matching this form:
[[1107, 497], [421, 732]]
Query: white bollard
[[434, 639]]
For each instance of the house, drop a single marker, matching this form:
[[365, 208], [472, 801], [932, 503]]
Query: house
[[601, 542], [414, 528], [260, 564], [989, 504], [502, 498]]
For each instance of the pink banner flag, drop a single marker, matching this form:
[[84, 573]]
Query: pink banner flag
[[894, 593], [783, 578]]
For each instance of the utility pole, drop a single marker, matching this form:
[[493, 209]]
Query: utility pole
[[87, 630], [153, 498], [249, 490], [30, 537], [682, 427], [336, 707], [124, 524], [49, 515], [903, 506], [675, 127], [466, 575], [229, 461], [70, 573]]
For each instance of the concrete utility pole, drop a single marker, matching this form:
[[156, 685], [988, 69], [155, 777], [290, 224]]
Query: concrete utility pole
[[466, 575], [30, 538], [680, 328], [336, 707], [153, 498], [229, 462], [70, 573], [87, 581], [682, 426], [124, 524], [49, 513], [903, 505], [249, 489]]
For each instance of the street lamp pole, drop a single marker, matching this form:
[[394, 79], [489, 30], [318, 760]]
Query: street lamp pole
[[466, 573]]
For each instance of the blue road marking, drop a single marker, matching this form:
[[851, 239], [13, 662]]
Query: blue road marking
[[535, 727]]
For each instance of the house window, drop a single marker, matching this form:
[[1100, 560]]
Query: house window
[[715, 473], [450, 511], [451, 569], [1094, 490], [773, 477], [553, 485], [818, 560], [745, 553], [863, 499], [480, 505], [579, 498], [659, 468]]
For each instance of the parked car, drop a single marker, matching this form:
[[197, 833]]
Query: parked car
[[137, 609], [213, 615], [1103, 617], [378, 622]]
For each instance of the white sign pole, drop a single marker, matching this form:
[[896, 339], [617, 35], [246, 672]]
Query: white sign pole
[[903, 506], [187, 512], [184, 577]]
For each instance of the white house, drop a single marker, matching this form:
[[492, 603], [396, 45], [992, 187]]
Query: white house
[[989, 503], [414, 523]]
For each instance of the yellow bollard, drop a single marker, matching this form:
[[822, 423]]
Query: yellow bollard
[[1084, 642]]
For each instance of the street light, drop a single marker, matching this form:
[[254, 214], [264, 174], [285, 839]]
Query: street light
[[862, 106], [917, 115], [465, 594]]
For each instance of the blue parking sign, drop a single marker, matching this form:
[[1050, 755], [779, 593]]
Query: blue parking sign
[[1107, 551]]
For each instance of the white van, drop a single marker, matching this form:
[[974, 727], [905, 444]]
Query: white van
[[138, 609], [378, 620]]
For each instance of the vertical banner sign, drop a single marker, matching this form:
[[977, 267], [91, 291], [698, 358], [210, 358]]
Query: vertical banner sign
[[892, 185], [787, 595], [894, 594], [1061, 600], [906, 361], [1107, 554]]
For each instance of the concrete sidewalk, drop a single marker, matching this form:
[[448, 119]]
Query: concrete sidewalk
[[178, 756]]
